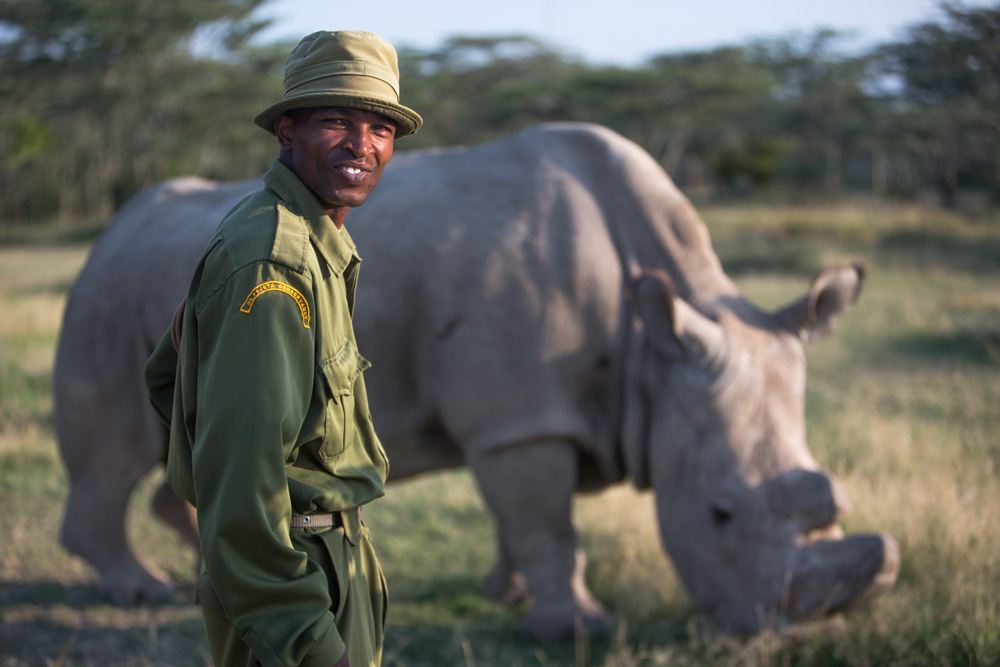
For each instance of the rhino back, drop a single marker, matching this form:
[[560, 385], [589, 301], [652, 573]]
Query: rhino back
[[121, 303], [146, 254], [492, 290]]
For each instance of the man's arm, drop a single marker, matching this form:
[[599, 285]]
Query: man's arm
[[160, 374], [256, 372]]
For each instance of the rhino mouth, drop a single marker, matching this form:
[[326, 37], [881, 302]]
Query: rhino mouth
[[830, 575], [828, 572]]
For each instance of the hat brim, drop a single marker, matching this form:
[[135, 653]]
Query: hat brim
[[407, 120]]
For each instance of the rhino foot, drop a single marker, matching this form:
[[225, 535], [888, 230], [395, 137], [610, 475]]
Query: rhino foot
[[564, 622], [136, 589], [507, 587]]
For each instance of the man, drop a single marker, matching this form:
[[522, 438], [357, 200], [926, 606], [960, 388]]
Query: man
[[261, 381]]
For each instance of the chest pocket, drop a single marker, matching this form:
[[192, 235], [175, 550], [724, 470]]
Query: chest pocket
[[339, 374]]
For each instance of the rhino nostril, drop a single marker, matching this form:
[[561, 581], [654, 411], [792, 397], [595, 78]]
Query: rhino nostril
[[721, 514], [720, 517], [811, 498]]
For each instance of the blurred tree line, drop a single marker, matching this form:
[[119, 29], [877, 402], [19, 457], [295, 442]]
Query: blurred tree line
[[100, 98]]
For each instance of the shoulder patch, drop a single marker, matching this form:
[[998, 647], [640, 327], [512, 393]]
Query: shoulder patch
[[275, 286]]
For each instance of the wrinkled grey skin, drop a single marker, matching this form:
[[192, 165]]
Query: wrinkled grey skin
[[547, 310]]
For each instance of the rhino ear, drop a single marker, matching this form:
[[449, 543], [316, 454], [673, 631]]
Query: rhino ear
[[673, 326], [833, 291]]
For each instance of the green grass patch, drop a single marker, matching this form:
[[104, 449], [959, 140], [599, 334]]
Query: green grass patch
[[26, 398]]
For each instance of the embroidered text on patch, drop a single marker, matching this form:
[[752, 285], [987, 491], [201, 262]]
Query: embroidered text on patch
[[275, 286]]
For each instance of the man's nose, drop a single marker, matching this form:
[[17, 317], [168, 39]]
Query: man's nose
[[358, 141]]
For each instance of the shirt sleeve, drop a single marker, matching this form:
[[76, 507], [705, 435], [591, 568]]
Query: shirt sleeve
[[256, 372], [160, 374]]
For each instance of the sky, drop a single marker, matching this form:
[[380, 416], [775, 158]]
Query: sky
[[614, 32]]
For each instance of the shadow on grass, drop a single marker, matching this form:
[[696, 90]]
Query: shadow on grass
[[977, 347], [804, 253], [448, 621], [935, 249], [49, 623], [75, 596], [749, 256], [477, 633]]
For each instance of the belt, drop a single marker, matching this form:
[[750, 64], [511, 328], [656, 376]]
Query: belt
[[329, 520]]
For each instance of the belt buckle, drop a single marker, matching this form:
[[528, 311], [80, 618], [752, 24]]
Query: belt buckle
[[325, 520]]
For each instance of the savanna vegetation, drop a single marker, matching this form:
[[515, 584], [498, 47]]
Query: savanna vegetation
[[901, 407], [799, 155]]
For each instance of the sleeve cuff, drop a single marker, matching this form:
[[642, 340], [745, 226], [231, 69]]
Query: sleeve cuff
[[325, 651]]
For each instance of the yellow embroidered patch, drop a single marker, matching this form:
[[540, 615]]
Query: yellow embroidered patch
[[275, 286]]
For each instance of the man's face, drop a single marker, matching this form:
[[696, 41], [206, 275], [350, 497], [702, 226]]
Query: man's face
[[338, 152]]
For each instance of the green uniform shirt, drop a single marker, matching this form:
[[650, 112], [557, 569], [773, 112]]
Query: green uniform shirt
[[268, 412]]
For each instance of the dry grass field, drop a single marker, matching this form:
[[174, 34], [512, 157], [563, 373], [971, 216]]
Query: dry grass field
[[903, 406]]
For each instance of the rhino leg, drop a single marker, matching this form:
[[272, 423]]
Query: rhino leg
[[94, 528], [529, 489], [506, 585]]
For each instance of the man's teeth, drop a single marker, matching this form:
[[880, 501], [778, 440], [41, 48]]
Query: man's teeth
[[351, 170]]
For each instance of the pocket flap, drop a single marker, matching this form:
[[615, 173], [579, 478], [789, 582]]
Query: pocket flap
[[343, 368]]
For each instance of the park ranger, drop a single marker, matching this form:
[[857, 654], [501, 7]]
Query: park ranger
[[262, 382]]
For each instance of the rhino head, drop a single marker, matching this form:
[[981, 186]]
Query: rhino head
[[747, 516]]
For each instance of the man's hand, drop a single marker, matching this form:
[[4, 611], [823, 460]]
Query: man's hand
[[343, 662]]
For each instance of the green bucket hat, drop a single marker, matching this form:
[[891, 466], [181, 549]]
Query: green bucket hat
[[348, 68]]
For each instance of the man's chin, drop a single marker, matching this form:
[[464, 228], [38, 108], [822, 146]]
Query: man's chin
[[348, 200]]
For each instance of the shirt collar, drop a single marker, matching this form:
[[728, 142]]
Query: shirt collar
[[335, 245]]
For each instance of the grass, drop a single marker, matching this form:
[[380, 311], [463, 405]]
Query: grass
[[902, 406]]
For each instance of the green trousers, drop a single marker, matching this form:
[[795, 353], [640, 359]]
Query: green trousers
[[357, 589]]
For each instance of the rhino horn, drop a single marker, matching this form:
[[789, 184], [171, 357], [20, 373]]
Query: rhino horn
[[811, 498], [831, 575], [674, 327], [832, 292]]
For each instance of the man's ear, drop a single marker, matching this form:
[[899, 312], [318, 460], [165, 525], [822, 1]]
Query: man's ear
[[283, 125]]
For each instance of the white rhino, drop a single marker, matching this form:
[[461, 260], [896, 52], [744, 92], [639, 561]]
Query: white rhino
[[548, 310]]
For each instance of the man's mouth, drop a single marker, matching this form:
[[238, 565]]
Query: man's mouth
[[352, 174]]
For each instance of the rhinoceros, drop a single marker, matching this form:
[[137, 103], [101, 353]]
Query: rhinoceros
[[547, 310]]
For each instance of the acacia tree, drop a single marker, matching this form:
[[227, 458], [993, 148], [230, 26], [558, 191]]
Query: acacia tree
[[474, 89], [950, 73], [712, 117], [96, 96], [822, 108]]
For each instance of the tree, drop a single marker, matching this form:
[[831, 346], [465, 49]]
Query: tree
[[473, 89], [950, 76], [713, 109], [823, 108], [99, 95]]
